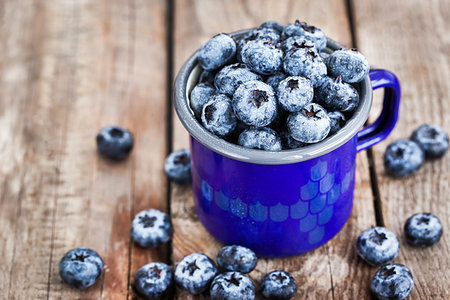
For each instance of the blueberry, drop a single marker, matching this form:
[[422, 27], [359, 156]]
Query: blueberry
[[272, 24], [217, 52], [307, 31], [261, 138], [289, 142], [254, 103], [337, 120], [377, 246], [195, 272], [310, 125], [275, 79], [218, 116], [350, 64], [262, 56], [305, 61], [178, 166], [334, 94], [295, 42], [153, 281], [268, 34], [80, 267], [114, 142], [232, 76], [432, 139], [232, 286], [294, 93], [392, 282], [151, 228], [200, 94], [207, 77], [236, 258], [279, 285], [423, 229], [403, 158]]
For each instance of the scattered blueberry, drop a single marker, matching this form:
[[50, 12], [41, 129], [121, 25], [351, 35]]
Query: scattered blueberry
[[178, 166], [403, 158], [350, 64], [279, 285], [153, 281], [207, 77], [236, 258], [114, 142], [261, 138], [377, 246], [337, 120], [218, 116], [289, 142], [262, 56], [295, 42], [80, 267], [272, 24], [232, 76], [217, 52], [232, 286], [275, 79], [151, 228], [307, 31], [432, 139], [254, 103], [294, 93], [423, 229], [392, 282], [310, 125], [334, 94], [195, 272], [200, 94]]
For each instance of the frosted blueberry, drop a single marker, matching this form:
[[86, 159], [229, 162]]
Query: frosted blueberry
[[392, 282], [261, 138], [403, 158], [350, 64], [310, 125], [178, 166], [262, 56], [200, 94], [80, 267], [295, 42], [278, 285], [432, 139], [236, 258], [151, 228], [254, 103], [195, 272], [307, 31], [231, 77], [232, 286], [275, 79], [272, 24], [337, 120], [377, 246], [153, 281], [218, 116], [217, 52], [423, 229], [114, 142], [261, 33], [294, 93], [334, 94]]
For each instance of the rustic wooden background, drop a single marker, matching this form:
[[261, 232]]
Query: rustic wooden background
[[70, 67]]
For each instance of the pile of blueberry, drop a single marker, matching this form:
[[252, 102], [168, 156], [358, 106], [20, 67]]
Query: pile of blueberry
[[276, 88]]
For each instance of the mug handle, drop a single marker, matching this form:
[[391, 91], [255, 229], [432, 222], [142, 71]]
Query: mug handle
[[382, 127]]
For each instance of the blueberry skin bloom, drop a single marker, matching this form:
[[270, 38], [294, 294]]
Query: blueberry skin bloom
[[261, 138], [294, 93], [262, 56], [307, 31], [200, 94], [114, 142], [278, 285], [217, 52], [392, 282], [377, 246], [306, 62], [432, 139], [236, 258], [151, 228], [178, 166], [218, 116], [337, 120], [403, 158], [80, 267], [334, 94], [350, 64], [275, 80], [423, 229], [310, 125], [195, 272], [232, 286], [153, 281], [295, 42], [231, 77], [254, 103]]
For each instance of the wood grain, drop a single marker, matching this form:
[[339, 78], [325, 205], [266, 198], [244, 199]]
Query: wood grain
[[414, 44], [332, 271]]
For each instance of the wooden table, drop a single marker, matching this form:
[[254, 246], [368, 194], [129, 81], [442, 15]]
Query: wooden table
[[70, 67]]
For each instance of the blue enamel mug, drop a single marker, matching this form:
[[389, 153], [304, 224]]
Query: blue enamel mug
[[281, 203]]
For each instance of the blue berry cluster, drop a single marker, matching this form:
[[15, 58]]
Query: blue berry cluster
[[276, 88]]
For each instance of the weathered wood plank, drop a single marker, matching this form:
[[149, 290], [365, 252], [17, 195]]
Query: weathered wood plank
[[332, 271], [413, 43]]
